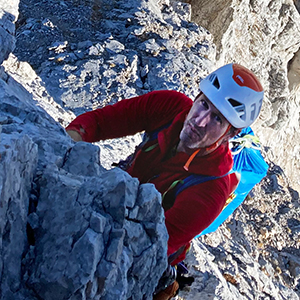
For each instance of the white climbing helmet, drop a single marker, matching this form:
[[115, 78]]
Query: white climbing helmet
[[236, 92]]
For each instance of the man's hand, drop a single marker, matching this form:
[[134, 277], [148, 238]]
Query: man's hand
[[74, 135]]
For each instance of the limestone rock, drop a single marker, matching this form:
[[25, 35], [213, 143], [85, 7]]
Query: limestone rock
[[98, 69], [18, 160], [8, 15], [219, 270], [78, 215], [86, 245], [65, 230], [80, 70], [294, 72]]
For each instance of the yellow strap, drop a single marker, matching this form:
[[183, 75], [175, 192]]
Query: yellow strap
[[252, 137], [229, 200], [246, 138]]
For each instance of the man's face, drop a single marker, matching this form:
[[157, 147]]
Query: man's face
[[203, 126]]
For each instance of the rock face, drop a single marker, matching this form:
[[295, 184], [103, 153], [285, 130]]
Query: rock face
[[8, 15], [256, 254], [95, 232], [127, 48], [94, 53], [18, 163], [69, 229], [263, 35]]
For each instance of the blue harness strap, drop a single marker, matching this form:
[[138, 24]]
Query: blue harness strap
[[150, 136], [195, 179]]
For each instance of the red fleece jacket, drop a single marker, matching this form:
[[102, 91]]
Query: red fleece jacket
[[196, 207]]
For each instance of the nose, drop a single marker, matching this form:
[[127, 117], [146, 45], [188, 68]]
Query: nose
[[203, 119]]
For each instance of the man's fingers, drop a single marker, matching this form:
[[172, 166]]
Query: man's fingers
[[75, 136]]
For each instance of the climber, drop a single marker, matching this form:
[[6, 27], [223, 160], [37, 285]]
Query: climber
[[183, 138]]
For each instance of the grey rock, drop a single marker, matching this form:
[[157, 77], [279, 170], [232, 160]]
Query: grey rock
[[18, 160], [73, 255], [84, 258], [8, 16], [106, 76], [97, 222], [114, 46], [84, 45], [119, 60], [137, 237], [115, 247], [7, 44], [33, 220], [151, 47], [148, 203], [92, 51], [58, 47], [77, 208], [89, 162]]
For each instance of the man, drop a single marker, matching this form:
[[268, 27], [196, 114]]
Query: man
[[191, 138]]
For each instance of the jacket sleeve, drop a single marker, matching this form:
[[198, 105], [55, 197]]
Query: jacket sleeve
[[130, 116], [194, 210]]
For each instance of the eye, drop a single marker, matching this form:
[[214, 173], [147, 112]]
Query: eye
[[218, 119], [204, 103]]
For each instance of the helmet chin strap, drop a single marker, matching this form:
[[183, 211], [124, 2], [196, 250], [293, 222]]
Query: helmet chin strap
[[206, 149]]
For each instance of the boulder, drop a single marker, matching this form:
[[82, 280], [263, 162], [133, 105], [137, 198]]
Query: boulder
[[87, 246], [8, 15]]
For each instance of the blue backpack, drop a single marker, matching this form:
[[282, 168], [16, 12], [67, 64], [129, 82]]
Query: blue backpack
[[248, 162]]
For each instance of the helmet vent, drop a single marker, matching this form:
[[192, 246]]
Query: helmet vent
[[234, 103], [238, 107], [216, 82]]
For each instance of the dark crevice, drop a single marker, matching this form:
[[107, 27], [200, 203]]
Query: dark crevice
[[133, 220], [33, 203], [66, 156]]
